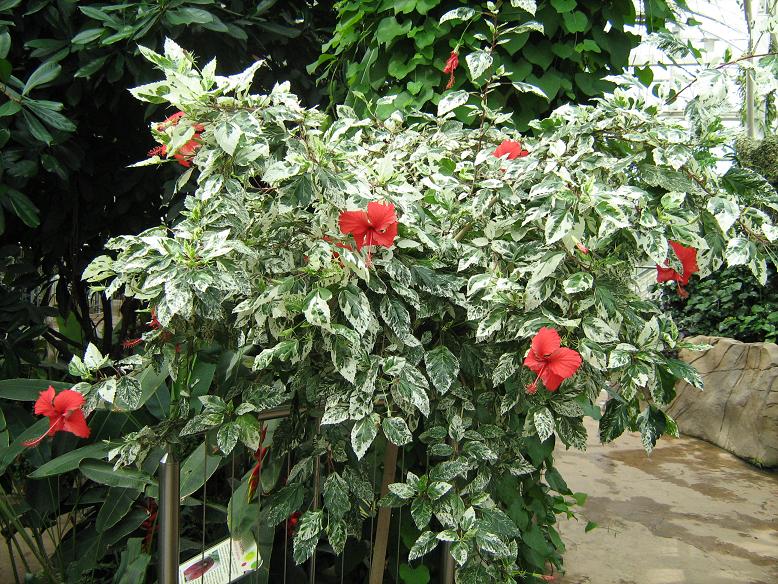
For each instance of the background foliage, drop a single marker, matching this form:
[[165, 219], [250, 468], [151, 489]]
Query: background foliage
[[392, 54], [729, 304], [68, 130]]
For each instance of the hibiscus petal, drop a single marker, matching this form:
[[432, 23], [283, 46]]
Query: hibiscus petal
[[514, 150], [44, 405], [353, 222], [75, 423], [356, 223], [551, 380], [386, 238], [452, 63], [381, 215], [688, 258], [564, 362], [67, 401], [501, 149], [545, 342], [509, 147], [173, 120], [664, 274], [533, 363], [188, 149]]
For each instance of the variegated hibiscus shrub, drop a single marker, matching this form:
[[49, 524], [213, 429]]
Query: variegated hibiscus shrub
[[384, 280]]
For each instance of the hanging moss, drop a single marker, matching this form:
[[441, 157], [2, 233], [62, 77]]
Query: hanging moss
[[759, 155]]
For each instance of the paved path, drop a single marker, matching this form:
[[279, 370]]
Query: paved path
[[690, 513]]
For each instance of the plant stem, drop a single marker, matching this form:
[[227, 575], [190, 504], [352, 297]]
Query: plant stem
[[13, 559], [750, 129]]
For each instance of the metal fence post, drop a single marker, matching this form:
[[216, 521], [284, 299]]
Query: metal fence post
[[447, 564], [169, 505], [384, 517]]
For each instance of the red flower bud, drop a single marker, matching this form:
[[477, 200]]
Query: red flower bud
[[451, 65]]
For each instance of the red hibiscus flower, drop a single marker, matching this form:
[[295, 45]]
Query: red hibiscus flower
[[170, 121], [376, 226], [186, 152], [688, 259], [173, 121], [291, 523], [63, 411], [552, 362], [256, 472], [154, 325], [511, 148], [451, 65]]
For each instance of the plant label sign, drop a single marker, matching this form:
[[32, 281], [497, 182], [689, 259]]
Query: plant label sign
[[223, 563]]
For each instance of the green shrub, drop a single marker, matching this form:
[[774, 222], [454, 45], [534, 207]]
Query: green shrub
[[729, 303], [417, 346], [392, 53]]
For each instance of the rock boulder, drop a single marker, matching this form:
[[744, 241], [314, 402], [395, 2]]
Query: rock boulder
[[738, 409]]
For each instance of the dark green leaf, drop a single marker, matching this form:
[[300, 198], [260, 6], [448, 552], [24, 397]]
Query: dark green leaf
[[22, 206], [87, 36], [70, 460], [36, 128], [9, 108], [118, 502], [188, 15], [45, 73], [105, 474], [51, 118], [197, 468], [5, 44], [92, 67], [575, 21], [28, 389], [9, 454]]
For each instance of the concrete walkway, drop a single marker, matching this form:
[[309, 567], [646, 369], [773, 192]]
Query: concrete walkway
[[690, 513]]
